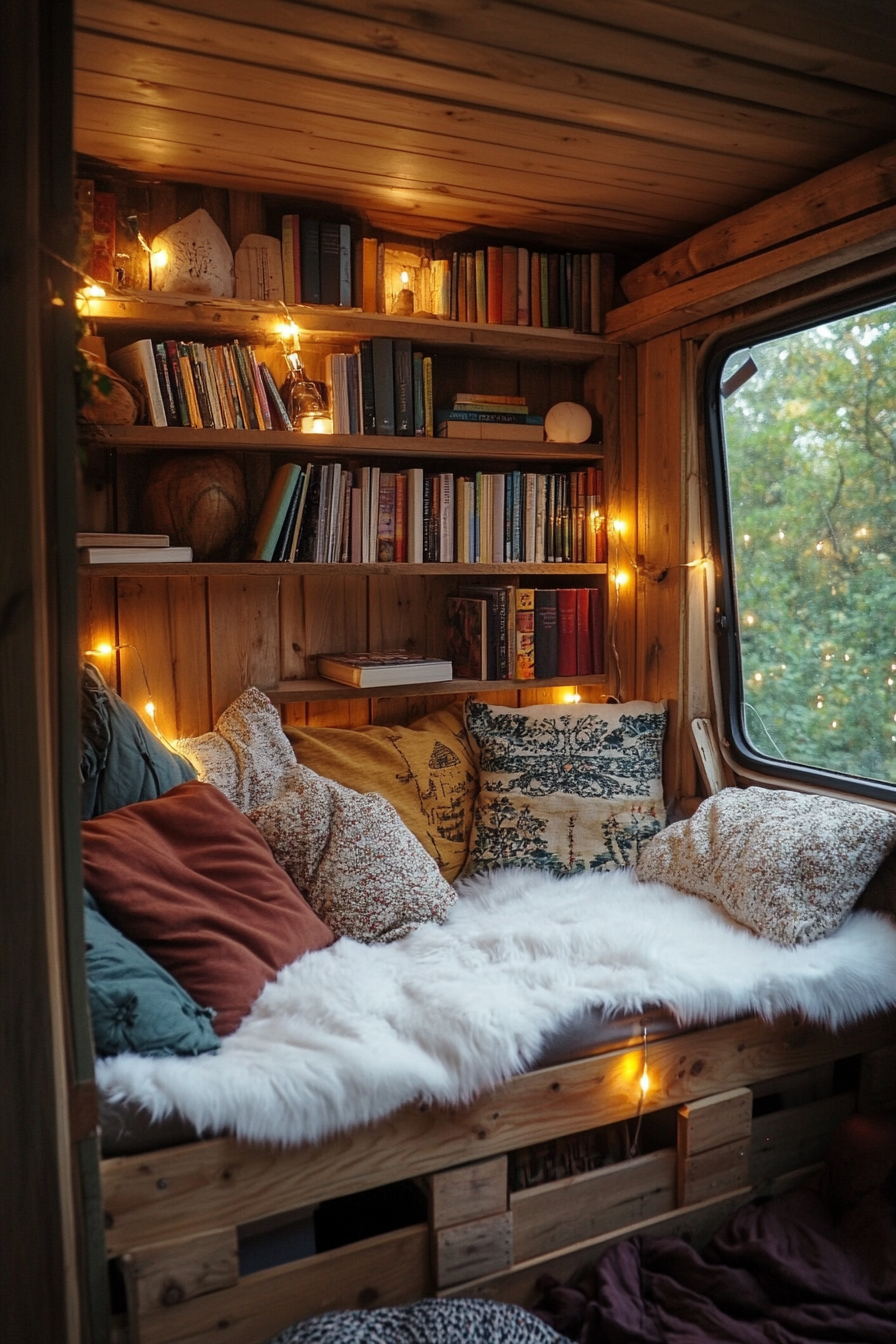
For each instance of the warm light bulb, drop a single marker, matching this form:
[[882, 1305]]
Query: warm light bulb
[[571, 699], [780, 536], [618, 525], [93, 292], [102, 650], [620, 579], [405, 277], [757, 676], [288, 330], [819, 546], [151, 710], [750, 620], [645, 1083], [159, 257], [746, 538]]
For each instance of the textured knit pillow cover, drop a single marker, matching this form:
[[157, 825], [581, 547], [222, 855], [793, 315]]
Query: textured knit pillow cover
[[790, 866], [191, 881], [426, 771], [134, 1003], [565, 788], [361, 869]]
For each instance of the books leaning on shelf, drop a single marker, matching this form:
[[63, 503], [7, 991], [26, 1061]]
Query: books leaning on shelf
[[134, 555], [198, 386], [328, 514], [384, 388], [394, 668], [505, 632]]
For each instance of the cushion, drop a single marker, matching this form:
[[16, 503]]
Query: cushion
[[426, 771], [121, 760], [190, 880], [565, 788], [788, 865], [134, 1003], [360, 867], [246, 754]]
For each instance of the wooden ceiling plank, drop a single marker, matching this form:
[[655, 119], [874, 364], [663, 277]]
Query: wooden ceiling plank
[[589, 43], [465, 161], [525, 85], [865, 183], [423, 211], [801, 47], [718, 290], [401, 113], [302, 149]]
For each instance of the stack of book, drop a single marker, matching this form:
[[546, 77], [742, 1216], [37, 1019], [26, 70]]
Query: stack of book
[[386, 388], [394, 668], [506, 632], [110, 548], [480, 415], [201, 386], [328, 514]]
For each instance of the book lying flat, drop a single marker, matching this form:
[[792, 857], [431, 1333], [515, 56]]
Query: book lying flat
[[394, 668], [120, 539], [134, 555]]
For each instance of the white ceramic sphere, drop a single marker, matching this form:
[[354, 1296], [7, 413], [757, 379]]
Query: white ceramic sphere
[[567, 422]]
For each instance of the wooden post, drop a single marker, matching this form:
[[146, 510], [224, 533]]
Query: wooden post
[[472, 1231], [714, 1145]]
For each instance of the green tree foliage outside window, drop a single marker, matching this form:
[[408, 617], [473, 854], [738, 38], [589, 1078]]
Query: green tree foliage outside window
[[811, 450]]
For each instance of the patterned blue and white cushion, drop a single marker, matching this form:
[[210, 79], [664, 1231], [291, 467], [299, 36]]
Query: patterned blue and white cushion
[[565, 788], [461, 1321]]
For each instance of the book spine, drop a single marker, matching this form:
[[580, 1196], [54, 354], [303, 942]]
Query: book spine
[[525, 634], [345, 266], [319, 553], [199, 383], [596, 614], [374, 519], [470, 283], [297, 525], [247, 399], [509, 417], [435, 520], [481, 292], [535, 290], [186, 373], [345, 509], [516, 551], [275, 401], [540, 519], [207, 360], [381, 277], [368, 403], [455, 291], [383, 384], [356, 528], [367, 297], [231, 364], [562, 292], [172, 412], [261, 397], [577, 292], [404, 388], [523, 271], [553, 290], [446, 517], [497, 487], [601, 539], [586, 293], [428, 422], [509, 284], [329, 262], [385, 530], [309, 251], [177, 383], [494, 281], [401, 518], [284, 540], [584, 649], [594, 269], [306, 540], [286, 253], [427, 519], [545, 632], [566, 632], [419, 401], [415, 515]]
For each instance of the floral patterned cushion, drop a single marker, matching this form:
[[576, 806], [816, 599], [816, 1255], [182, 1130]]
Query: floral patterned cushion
[[789, 866], [565, 788], [357, 864]]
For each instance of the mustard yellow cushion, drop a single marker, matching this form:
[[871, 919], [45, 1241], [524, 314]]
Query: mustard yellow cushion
[[427, 772]]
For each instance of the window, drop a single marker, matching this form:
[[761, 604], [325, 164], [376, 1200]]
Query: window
[[806, 473]]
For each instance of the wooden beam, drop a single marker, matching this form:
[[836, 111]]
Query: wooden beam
[[477, 1190], [201, 1186], [717, 290], [162, 1276]]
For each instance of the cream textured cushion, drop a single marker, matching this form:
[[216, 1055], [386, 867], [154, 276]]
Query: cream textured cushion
[[788, 865], [350, 854], [565, 788]]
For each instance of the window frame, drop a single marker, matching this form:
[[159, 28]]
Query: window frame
[[724, 618]]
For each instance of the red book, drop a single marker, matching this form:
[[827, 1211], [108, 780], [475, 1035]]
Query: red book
[[566, 632], [495, 284], [596, 623], [401, 517], [509, 284], [584, 651]]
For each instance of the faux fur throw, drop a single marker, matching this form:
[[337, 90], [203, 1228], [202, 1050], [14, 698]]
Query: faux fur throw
[[349, 1034]]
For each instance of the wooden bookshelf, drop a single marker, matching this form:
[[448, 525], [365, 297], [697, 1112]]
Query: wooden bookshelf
[[146, 314], [267, 569], [320, 689], [327, 445]]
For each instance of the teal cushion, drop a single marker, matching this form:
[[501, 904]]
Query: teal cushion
[[122, 762], [134, 1003]]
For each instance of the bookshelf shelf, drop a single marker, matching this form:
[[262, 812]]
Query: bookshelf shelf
[[149, 314], [320, 689], [266, 569], [326, 445]]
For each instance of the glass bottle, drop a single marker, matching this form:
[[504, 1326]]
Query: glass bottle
[[305, 400]]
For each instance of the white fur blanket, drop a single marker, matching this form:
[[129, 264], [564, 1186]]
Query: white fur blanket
[[345, 1036]]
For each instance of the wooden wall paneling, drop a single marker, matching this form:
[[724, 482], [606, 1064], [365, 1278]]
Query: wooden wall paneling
[[166, 623], [98, 624], [244, 640], [162, 207], [660, 542], [336, 621], [397, 613], [246, 214], [293, 642], [696, 682], [338, 713], [436, 591]]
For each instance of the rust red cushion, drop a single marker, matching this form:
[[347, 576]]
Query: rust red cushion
[[190, 879]]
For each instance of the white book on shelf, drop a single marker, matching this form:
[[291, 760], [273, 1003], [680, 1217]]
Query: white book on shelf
[[364, 477], [134, 555], [415, 515], [137, 363], [470, 491], [530, 509], [382, 669]]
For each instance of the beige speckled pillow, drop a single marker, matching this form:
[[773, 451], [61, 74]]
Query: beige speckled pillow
[[352, 857], [790, 866]]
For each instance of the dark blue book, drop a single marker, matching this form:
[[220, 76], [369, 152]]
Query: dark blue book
[[383, 384], [419, 400], [368, 407], [330, 263], [404, 388], [310, 260]]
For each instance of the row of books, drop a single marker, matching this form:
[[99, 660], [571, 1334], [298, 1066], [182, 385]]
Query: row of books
[[504, 632], [328, 514], [385, 388], [199, 386], [503, 283]]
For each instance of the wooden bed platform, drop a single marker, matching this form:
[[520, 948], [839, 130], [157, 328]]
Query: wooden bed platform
[[481, 1238]]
